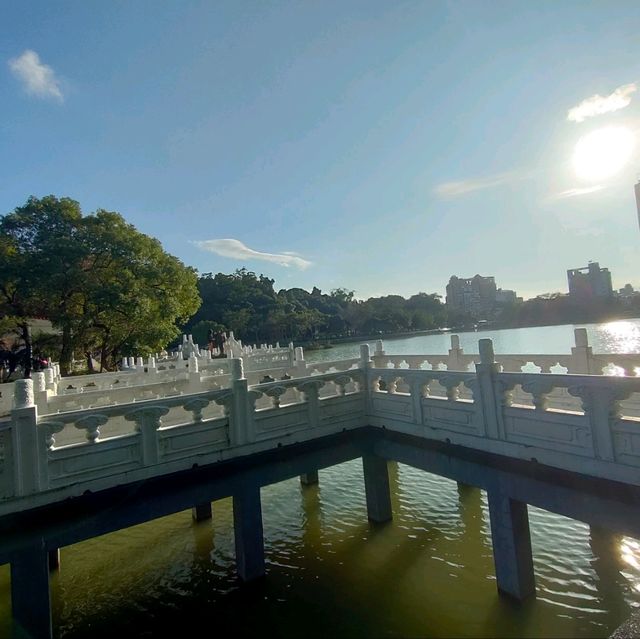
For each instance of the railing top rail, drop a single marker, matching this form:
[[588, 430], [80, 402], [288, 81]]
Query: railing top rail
[[116, 410], [562, 380], [297, 382]]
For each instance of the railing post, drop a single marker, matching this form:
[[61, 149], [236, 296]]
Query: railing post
[[365, 366], [454, 363], [582, 355], [239, 427], [147, 421], [486, 395], [292, 355], [39, 390], [602, 409], [300, 364], [50, 381], [24, 431], [378, 355]]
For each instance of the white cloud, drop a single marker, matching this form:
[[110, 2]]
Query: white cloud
[[235, 249], [584, 191], [462, 187], [37, 78], [597, 104]]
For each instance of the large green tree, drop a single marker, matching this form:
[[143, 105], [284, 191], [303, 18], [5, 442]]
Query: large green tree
[[108, 287]]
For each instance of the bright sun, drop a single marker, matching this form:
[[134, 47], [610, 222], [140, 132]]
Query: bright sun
[[602, 153]]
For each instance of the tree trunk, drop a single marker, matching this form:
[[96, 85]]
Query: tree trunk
[[89, 361], [28, 355], [104, 354], [66, 356]]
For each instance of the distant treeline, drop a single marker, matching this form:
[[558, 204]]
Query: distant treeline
[[248, 304], [565, 310]]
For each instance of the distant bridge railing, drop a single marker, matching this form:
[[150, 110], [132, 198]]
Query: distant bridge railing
[[45, 458], [157, 378]]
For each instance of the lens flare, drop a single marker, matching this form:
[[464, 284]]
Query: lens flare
[[602, 153]]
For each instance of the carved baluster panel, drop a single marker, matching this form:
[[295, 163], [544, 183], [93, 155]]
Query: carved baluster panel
[[505, 392], [91, 424], [50, 430], [275, 393], [469, 389], [402, 386], [539, 390], [425, 387], [415, 363], [195, 407], [452, 386], [341, 382], [226, 401], [390, 383]]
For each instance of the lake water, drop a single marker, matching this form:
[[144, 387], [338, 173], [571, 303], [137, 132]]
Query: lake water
[[330, 573]]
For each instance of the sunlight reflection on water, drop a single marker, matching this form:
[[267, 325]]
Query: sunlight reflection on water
[[618, 337]]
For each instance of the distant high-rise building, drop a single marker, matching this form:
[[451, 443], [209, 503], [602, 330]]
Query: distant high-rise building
[[474, 295], [505, 296], [590, 281]]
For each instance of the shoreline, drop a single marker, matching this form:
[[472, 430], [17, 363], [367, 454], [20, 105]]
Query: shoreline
[[328, 343]]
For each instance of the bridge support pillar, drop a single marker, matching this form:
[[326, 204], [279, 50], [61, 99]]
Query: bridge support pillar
[[511, 546], [247, 524], [54, 559], [202, 512], [308, 479], [376, 485], [30, 595]]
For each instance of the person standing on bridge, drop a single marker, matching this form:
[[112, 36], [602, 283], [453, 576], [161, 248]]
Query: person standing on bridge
[[220, 340]]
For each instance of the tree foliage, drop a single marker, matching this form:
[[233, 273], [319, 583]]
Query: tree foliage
[[249, 305], [108, 287]]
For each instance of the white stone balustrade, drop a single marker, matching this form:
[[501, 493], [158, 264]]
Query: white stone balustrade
[[46, 457]]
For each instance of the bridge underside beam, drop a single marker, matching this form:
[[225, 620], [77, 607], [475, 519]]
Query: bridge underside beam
[[511, 546], [376, 484], [247, 524], [30, 595]]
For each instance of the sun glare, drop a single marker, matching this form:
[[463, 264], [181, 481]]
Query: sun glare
[[602, 153]]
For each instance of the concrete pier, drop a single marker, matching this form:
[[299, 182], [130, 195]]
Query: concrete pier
[[309, 479], [247, 523], [54, 559], [202, 512], [511, 545], [30, 594], [376, 484]]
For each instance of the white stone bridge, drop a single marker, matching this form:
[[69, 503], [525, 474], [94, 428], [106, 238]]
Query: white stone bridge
[[66, 476]]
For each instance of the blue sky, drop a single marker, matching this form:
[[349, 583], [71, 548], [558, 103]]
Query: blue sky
[[377, 146]]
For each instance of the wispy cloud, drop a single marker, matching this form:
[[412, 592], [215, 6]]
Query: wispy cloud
[[597, 104], [237, 250], [448, 190], [37, 78], [576, 192]]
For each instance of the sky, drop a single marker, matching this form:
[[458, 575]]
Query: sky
[[377, 146]]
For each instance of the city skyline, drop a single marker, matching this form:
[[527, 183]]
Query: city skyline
[[374, 147]]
